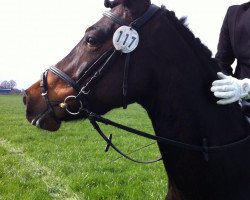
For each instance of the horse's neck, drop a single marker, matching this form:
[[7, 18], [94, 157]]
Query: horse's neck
[[181, 105], [189, 121]]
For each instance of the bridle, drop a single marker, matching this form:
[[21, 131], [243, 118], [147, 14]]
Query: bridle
[[98, 68]]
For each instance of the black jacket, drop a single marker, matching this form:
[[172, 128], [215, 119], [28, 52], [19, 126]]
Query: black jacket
[[234, 42]]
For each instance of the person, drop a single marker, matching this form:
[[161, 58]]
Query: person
[[234, 43]]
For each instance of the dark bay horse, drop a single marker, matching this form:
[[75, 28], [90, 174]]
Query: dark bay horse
[[169, 74]]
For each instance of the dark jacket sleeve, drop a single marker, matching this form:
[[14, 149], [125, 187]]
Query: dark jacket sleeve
[[225, 55]]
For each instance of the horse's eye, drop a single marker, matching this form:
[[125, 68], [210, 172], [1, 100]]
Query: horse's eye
[[92, 41]]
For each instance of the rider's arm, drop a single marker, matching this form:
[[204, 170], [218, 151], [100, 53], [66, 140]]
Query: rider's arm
[[225, 55]]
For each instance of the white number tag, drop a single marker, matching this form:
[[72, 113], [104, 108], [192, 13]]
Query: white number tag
[[125, 39]]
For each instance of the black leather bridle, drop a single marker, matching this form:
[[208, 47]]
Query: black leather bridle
[[98, 68], [100, 65]]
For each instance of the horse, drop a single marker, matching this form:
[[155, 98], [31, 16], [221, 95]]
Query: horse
[[168, 72]]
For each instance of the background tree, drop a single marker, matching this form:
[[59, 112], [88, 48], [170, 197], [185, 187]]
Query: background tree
[[12, 84], [5, 84], [8, 84]]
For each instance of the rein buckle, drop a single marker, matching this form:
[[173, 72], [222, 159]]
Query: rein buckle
[[63, 105]]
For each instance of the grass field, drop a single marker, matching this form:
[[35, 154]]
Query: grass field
[[71, 163]]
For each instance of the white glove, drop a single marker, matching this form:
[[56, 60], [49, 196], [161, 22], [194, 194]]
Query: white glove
[[230, 89]]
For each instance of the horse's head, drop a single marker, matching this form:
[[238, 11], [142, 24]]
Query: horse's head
[[91, 77]]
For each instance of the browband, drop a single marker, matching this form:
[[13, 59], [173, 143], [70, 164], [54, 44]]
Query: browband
[[138, 22], [116, 19]]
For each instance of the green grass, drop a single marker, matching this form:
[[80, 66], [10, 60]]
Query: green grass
[[71, 163]]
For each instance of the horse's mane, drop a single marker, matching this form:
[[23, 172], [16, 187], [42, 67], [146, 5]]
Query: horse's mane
[[201, 50]]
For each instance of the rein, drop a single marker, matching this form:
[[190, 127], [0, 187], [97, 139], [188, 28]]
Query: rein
[[205, 149], [93, 120]]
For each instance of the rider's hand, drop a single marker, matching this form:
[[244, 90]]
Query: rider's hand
[[230, 89]]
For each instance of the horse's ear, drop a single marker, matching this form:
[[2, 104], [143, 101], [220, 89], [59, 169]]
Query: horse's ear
[[128, 3]]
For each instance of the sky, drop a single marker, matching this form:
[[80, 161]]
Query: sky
[[35, 34]]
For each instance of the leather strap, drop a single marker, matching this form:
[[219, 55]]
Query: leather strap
[[95, 65], [115, 19], [109, 62], [110, 144], [136, 25], [138, 22], [65, 77], [199, 148], [145, 17]]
